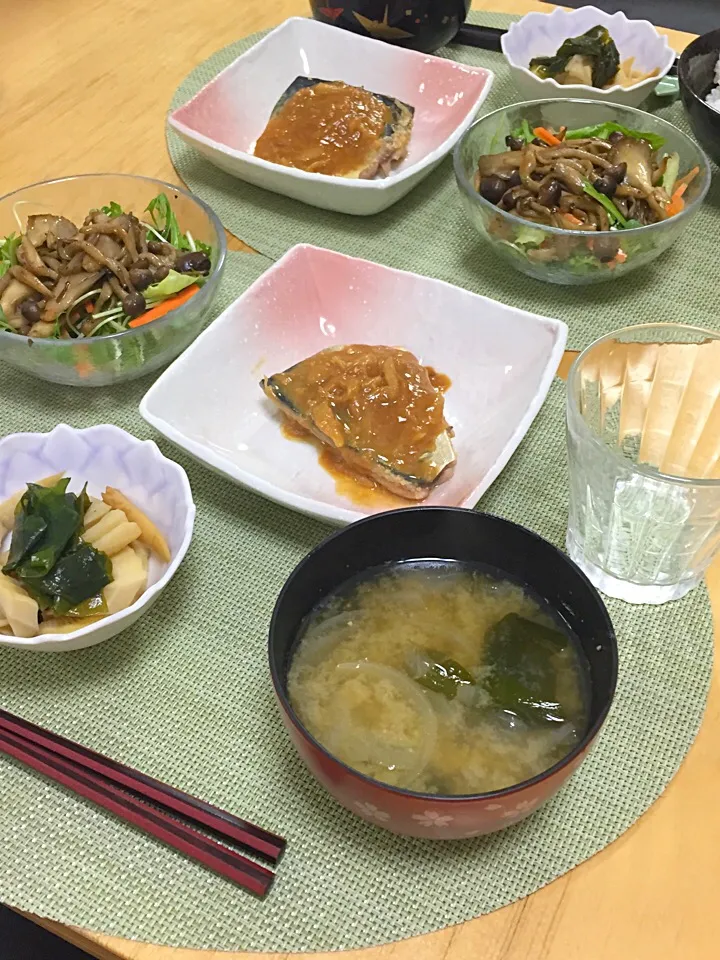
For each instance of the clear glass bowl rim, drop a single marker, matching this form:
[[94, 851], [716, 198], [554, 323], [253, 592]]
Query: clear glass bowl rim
[[580, 424], [51, 342], [475, 197]]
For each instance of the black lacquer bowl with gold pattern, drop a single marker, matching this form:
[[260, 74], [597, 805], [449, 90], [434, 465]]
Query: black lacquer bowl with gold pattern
[[422, 25]]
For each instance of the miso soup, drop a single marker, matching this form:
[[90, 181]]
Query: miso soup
[[440, 678]]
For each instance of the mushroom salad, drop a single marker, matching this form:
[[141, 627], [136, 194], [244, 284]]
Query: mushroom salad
[[605, 178], [114, 272]]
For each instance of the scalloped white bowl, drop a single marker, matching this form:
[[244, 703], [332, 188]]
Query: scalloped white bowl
[[104, 455], [540, 35]]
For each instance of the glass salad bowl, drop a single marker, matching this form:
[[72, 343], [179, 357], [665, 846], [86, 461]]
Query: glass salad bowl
[[118, 354], [574, 256]]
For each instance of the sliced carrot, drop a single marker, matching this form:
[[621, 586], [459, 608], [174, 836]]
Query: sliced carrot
[[547, 137], [620, 257], [572, 219], [84, 368], [688, 178], [677, 204], [89, 307], [165, 307]]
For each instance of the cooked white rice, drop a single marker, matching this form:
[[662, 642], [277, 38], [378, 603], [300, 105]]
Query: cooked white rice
[[713, 98]]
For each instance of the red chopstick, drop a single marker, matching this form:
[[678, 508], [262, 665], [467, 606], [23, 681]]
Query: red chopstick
[[247, 874], [210, 854], [225, 825]]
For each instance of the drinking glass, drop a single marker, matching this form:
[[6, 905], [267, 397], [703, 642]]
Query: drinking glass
[[643, 433]]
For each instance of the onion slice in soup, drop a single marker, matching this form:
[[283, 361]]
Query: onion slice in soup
[[384, 723]]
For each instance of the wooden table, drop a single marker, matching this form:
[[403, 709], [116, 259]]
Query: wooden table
[[85, 88]]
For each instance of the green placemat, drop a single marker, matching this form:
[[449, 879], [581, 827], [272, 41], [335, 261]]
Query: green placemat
[[428, 232], [185, 695]]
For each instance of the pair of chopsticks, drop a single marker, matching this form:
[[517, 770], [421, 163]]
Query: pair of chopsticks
[[488, 38], [148, 804]]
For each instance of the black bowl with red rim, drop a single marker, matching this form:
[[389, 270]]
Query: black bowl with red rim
[[443, 533]]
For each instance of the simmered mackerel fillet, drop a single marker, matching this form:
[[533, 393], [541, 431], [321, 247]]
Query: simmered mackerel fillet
[[377, 407], [332, 128]]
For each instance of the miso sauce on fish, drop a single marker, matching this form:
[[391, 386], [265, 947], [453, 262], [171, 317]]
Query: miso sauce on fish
[[335, 129], [441, 678], [377, 408]]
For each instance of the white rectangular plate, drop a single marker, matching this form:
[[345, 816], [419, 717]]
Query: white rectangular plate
[[224, 120], [501, 362]]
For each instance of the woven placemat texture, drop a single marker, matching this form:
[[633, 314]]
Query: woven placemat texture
[[185, 695], [428, 232]]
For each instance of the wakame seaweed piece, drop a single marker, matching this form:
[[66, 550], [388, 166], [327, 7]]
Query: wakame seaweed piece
[[444, 676], [34, 589], [83, 502], [62, 515], [92, 607], [77, 577], [596, 44], [521, 655], [28, 531], [509, 695]]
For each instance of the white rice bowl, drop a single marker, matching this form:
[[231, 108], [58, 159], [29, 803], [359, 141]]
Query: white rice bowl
[[713, 98]]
